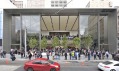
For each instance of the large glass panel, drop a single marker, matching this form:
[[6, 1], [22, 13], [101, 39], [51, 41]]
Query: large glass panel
[[1, 29], [1, 25], [96, 27], [30, 23], [15, 32]]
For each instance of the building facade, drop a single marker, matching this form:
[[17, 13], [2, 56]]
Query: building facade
[[99, 4], [99, 30], [34, 20], [18, 4], [35, 3], [48, 4], [1, 27], [8, 5], [118, 26]]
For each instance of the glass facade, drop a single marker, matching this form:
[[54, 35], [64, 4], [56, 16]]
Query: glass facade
[[1, 27], [1, 24], [29, 22], [15, 30]]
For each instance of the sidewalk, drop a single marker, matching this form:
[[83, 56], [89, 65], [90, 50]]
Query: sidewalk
[[18, 57]]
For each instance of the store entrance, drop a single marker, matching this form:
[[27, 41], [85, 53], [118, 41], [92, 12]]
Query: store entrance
[[59, 33]]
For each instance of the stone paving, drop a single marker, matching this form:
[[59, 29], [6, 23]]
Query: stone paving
[[18, 57]]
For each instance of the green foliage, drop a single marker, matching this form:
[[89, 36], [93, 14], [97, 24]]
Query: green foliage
[[76, 41], [87, 41], [64, 41], [43, 42], [32, 36], [55, 41], [33, 42]]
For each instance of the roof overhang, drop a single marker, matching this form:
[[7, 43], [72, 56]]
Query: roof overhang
[[60, 11]]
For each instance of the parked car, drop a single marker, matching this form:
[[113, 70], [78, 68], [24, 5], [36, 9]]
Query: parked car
[[110, 65], [41, 64]]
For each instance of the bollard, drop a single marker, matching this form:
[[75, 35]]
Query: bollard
[[82, 58], [82, 63], [6, 61]]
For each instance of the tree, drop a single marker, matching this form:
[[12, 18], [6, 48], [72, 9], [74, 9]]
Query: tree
[[43, 42], [76, 42], [33, 42], [55, 41], [64, 41], [87, 41]]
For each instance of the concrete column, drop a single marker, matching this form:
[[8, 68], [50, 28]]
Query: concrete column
[[20, 31], [40, 31], [112, 31], [79, 29], [79, 26], [7, 20], [98, 30], [105, 33]]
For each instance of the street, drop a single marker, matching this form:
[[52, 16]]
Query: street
[[65, 66]]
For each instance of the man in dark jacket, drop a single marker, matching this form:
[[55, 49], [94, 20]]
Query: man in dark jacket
[[65, 54], [12, 55]]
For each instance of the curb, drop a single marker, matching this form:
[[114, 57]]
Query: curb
[[79, 60]]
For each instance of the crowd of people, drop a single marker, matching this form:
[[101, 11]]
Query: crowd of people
[[67, 54], [49, 37], [75, 54], [2, 53]]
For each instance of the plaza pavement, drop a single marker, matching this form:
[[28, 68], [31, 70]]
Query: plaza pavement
[[62, 59], [67, 65]]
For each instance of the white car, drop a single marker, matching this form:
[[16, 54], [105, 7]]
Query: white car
[[110, 65]]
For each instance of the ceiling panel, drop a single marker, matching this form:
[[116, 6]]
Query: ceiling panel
[[43, 25], [52, 22], [75, 25], [63, 21], [71, 22], [55, 20], [47, 20]]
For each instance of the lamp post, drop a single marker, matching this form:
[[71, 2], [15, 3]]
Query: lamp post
[[39, 40], [102, 46], [25, 36]]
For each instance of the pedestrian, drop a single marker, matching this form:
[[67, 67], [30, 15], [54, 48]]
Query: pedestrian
[[103, 55], [70, 55], [4, 54], [79, 55], [48, 54], [21, 54], [89, 54], [107, 54], [35, 53], [12, 55], [94, 54], [75, 55], [99, 55], [65, 54], [113, 55], [29, 55]]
